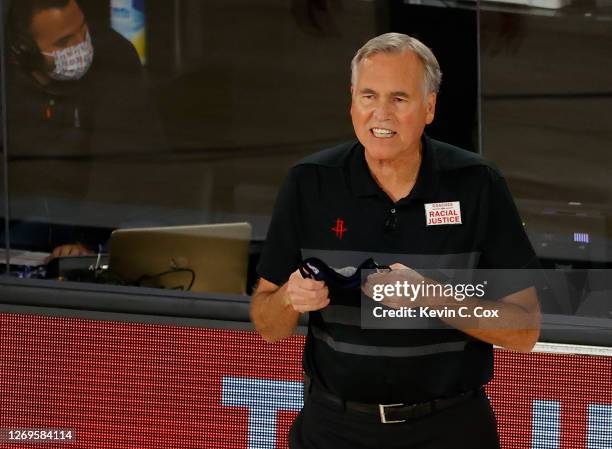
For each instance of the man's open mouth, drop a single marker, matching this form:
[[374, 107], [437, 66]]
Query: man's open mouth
[[382, 133]]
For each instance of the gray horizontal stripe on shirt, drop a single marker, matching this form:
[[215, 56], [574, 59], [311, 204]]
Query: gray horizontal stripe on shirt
[[352, 316], [340, 258], [387, 351]]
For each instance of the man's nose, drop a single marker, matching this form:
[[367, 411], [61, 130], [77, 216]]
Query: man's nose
[[382, 111]]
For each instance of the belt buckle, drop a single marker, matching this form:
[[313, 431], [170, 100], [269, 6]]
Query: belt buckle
[[383, 418]]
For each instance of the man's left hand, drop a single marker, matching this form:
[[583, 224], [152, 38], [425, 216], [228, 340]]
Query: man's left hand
[[399, 275]]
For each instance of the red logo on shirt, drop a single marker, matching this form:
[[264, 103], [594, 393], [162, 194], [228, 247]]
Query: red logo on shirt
[[339, 229]]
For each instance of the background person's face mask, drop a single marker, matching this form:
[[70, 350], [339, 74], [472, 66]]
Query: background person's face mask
[[72, 63]]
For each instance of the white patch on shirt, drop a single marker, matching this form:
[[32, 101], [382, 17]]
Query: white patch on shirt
[[448, 213]]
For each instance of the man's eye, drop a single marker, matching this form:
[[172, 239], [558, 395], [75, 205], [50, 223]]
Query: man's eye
[[399, 100], [368, 97]]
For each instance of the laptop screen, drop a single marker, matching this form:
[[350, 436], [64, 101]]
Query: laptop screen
[[199, 258]]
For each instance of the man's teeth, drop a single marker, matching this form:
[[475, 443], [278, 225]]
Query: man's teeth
[[380, 132]]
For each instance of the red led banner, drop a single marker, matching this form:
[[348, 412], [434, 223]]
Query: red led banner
[[125, 385]]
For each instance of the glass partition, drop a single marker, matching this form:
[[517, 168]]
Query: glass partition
[[3, 169], [546, 97], [173, 113], [199, 127], [191, 112]]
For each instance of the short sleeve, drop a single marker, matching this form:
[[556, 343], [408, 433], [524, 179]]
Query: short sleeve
[[281, 252], [508, 262], [506, 244]]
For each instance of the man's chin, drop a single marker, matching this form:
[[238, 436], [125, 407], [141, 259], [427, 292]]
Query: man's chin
[[381, 149]]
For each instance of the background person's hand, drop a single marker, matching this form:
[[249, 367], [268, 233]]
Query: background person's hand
[[306, 295], [72, 249]]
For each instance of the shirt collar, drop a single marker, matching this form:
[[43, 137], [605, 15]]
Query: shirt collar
[[362, 183]]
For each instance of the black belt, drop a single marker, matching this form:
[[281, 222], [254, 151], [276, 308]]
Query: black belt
[[394, 413]]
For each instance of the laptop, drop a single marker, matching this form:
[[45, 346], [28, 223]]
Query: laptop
[[199, 258]]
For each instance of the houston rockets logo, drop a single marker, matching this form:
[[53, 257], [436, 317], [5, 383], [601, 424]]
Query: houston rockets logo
[[339, 229]]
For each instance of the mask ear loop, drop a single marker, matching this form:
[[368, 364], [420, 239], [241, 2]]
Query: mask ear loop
[[373, 265], [382, 268]]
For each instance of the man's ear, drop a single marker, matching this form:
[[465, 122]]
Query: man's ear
[[431, 107]]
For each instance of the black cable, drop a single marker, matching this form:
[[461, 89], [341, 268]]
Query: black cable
[[110, 278], [146, 278]]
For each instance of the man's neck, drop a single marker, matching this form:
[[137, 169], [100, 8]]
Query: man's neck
[[396, 177]]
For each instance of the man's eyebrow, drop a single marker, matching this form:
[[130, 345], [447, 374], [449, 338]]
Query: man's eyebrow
[[397, 93], [62, 40], [59, 42]]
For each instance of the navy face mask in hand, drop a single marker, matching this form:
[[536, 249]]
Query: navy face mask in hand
[[313, 268]]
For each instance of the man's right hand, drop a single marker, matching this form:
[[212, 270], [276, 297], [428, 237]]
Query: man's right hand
[[275, 310], [73, 249], [306, 295]]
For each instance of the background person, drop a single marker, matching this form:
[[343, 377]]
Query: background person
[[76, 95]]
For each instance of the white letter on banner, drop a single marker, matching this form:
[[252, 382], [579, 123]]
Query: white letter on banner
[[263, 398], [599, 434], [545, 423]]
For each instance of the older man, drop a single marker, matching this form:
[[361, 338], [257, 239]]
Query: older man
[[393, 388]]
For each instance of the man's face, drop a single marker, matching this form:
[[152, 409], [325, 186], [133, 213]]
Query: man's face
[[388, 110], [58, 28]]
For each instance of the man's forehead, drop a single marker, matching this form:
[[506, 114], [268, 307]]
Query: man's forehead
[[55, 23], [379, 68]]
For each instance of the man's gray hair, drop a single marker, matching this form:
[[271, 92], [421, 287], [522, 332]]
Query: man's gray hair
[[397, 43]]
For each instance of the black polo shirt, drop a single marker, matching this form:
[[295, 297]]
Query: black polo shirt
[[330, 207]]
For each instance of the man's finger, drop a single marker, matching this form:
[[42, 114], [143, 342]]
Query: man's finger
[[308, 294], [398, 266], [304, 300], [311, 284], [312, 307]]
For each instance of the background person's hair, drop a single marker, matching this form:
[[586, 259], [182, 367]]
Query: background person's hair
[[397, 43], [19, 29]]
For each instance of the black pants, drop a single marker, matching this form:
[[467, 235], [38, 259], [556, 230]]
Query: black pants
[[468, 425]]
